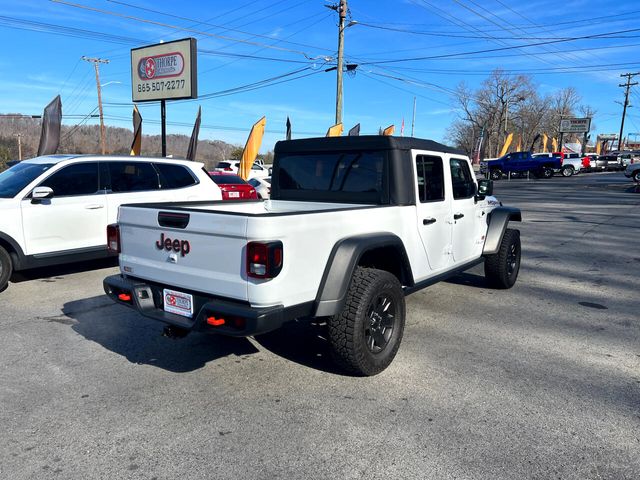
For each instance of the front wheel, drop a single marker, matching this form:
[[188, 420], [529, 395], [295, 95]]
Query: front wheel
[[567, 171], [6, 268], [501, 269], [495, 174], [366, 335], [636, 176]]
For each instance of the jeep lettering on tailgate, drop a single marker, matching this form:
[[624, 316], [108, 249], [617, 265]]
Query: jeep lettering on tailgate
[[166, 243]]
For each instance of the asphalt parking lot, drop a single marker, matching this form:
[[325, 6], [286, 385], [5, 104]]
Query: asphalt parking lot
[[541, 381]]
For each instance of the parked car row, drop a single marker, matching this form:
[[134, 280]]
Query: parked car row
[[232, 166], [545, 165]]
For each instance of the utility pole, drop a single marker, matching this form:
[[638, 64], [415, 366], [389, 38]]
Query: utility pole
[[342, 13], [413, 120], [19, 135], [627, 86], [96, 62]]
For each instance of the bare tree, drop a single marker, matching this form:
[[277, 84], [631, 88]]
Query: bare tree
[[505, 104]]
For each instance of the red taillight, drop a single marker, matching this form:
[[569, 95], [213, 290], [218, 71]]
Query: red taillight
[[113, 238], [228, 169], [125, 297], [264, 259]]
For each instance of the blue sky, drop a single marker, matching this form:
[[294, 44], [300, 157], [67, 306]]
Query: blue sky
[[301, 35]]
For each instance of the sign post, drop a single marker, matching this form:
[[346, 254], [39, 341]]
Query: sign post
[[164, 71]]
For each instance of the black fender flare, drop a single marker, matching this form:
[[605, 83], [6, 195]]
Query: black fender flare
[[498, 219], [343, 261], [15, 252]]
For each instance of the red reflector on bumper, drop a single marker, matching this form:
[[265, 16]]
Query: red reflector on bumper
[[216, 322]]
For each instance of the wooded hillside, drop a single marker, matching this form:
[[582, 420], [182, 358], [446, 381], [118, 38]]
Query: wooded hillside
[[86, 139]]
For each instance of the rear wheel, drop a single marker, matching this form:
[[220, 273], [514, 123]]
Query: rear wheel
[[501, 269], [547, 172], [636, 176], [6, 268], [366, 335], [567, 171], [495, 174]]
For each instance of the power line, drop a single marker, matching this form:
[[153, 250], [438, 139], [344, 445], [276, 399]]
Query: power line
[[498, 49], [175, 27], [230, 29], [455, 35]]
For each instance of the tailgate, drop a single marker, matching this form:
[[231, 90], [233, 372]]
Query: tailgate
[[201, 251]]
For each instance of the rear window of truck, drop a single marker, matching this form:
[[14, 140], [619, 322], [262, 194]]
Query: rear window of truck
[[353, 177]]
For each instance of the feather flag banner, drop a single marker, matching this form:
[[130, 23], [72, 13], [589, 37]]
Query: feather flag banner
[[136, 145], [335, 130], [507, 143], [251, 148], [51, 124], [389, 130], [193, 141]]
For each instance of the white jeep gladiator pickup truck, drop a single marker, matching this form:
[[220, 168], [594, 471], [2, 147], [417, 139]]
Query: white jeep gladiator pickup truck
[[353, 225]]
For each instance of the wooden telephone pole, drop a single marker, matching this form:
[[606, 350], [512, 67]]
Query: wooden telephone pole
[[627, 86], [96, 62]]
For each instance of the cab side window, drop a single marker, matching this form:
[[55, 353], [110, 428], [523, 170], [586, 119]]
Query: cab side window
[[461, 179], [133, 177], [430, 178], [73, 180]]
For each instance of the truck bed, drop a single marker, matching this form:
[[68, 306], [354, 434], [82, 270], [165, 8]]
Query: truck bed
[[218, 233]]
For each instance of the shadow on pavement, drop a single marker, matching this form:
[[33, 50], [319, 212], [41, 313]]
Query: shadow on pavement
[[140, 339], [303, 342], [49, 274]]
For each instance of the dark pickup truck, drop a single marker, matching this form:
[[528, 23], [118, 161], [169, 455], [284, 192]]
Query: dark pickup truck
[[520, 162]]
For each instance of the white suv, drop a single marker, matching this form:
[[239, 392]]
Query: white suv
[[55, 209]]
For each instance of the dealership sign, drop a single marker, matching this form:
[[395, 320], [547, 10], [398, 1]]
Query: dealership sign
[[165, 71], [575, 125]]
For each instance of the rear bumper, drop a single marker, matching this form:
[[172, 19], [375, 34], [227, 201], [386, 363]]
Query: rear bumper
[[241, 319]]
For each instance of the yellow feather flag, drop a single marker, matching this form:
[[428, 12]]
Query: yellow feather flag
[[545, 139], [554, 143], [389, 130], [335, 131], [598, 147], [251, 148], [507, 142], [136, 145], [519, 147]]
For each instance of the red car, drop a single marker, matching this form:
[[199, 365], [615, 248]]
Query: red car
[[233, 187]]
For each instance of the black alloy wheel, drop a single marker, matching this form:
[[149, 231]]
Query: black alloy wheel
[[381, 320]]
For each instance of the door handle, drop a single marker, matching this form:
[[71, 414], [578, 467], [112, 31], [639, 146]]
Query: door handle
[[458, 216], [428, 221], [93, 207]]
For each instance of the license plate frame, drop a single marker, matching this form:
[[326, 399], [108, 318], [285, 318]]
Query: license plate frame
[[178, 303]]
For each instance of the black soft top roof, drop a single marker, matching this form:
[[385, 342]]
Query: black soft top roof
[[367, 142]]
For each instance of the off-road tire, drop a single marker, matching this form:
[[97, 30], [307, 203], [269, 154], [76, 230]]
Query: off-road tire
[[495, 174], [636, 176], [6, 268], [501, 269], [547, 172], [567, 171], [351, 331]]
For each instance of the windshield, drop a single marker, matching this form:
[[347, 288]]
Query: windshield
[[19, 176]]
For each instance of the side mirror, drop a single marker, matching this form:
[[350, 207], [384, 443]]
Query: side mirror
[[485, 187], [40, 193]]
